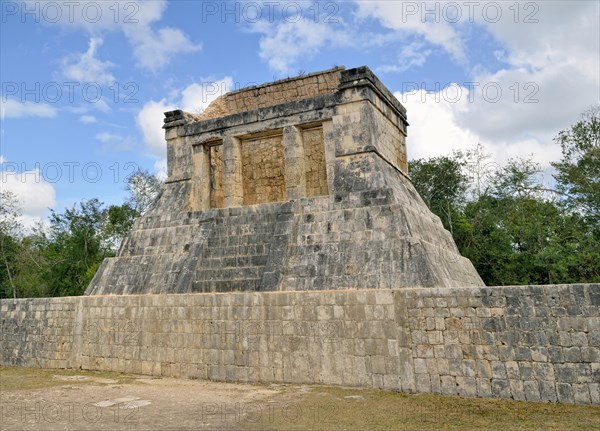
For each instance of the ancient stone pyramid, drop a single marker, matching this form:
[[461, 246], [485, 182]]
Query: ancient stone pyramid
[[298, 184]]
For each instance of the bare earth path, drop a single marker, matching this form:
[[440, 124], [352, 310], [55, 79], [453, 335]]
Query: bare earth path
[[34, 399]]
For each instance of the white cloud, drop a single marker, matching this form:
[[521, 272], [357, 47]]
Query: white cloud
[[85, 67], [88, 119], [150, 120], [11, 108], [550, 75], [35, 194], [437, 128], [153, 48], [410, 18], [411, 55], [194, 98], [433, 127], [284, 44], [113, 142], [2, 159], [557, 56], [533, 103], [563, 32]]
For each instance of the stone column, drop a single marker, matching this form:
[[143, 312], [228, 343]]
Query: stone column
[[175, 148], [200, 196], [233, 189], [329, 148], [295, 171]]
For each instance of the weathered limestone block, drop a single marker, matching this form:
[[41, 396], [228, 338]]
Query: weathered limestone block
[[300, 184]]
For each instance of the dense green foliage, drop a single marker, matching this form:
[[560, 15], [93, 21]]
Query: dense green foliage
[[60, 258], [515, 229]]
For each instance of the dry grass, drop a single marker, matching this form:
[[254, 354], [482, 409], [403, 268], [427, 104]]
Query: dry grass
[[177, 404], [15, 379], [329, 408]]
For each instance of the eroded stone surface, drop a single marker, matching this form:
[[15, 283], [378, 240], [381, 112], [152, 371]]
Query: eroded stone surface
[[300, 184], [503, 342]]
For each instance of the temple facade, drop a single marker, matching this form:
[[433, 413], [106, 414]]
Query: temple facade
[[298, 184]]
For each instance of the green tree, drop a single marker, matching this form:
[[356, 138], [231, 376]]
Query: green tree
[[442, 184], [510, 224], [10, 231], [32, 264], [75, 248], [118, 220], [61, 259], [144, 188], [578, 171], [519, 178]]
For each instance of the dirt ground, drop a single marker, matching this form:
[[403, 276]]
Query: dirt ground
[[33, 399], [59, 400]]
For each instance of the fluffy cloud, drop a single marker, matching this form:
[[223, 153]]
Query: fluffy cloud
[[284, 43], [150, 121], [548, 73], [554, 64], [35, 194], [11, 108], [153, 50], [85, 67], [152, 47], [411, 55], [196, 97], [547, 33], [411, 18], [518, 103], [435, 129]]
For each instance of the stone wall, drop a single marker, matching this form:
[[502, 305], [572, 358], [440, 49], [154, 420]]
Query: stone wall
[[273, 93], [314, 160], [351, 240], [263, 176], [307, 193], [216, 176], [534, 343]]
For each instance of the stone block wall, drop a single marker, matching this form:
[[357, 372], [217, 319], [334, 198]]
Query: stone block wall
[[314, 160], [532, 343], [263, 171], [273, 93], [351, 240], [307, 193], [216, 176], [391, 141]]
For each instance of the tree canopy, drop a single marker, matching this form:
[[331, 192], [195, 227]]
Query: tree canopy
[[61, 257], [514, 228]]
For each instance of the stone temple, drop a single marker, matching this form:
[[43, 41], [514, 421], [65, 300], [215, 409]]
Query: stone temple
[[298, 184], [289, 246]]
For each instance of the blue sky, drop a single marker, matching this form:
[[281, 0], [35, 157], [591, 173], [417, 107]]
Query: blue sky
[[84, 83]]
